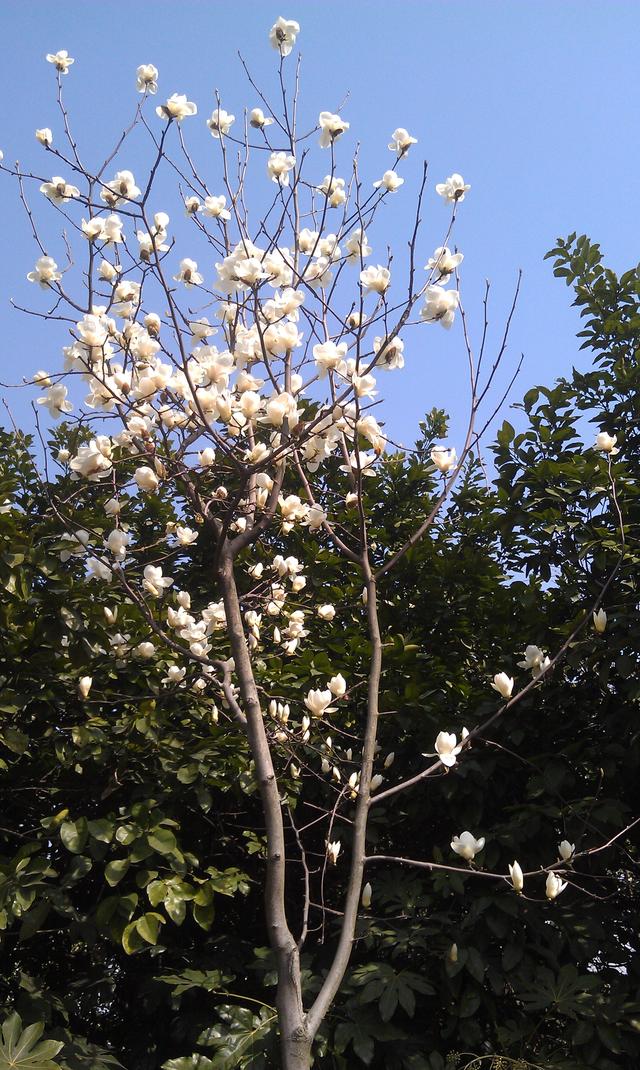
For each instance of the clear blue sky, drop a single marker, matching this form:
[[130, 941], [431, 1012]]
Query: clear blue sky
[[534, 101]]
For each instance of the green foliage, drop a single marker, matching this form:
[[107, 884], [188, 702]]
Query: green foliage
[[132, 847], [20, 1048]]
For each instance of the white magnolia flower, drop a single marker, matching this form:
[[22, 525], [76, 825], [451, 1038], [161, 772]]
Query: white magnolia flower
[[192, 205], [334, 190], [444, 457], [375, 279], [62, 60], [566, 850], [605, 442], [93, 462], [390, 180], [188, 273], [58, 191], [76, 544], [315, 518], [282, 35], [45, 272], [444, 262], [118, 542], [154, 582], [206, 457], [357, 245], [333, 850], [467, 846], [121, 188], [108, 272], [448, 748], [177, 107], [98, 570], [331, 128], [44, 136], [327, 612], [55, 401], [440, 306], [146, 478], [367, 894], [185, 536], [554, 885], [215, 207], [144, 650], [517, 878], [360, 461], [338, 685], [319, 702], [258, 120], [175, 674], [113, 507], [390, 353], [328, 356], [108, 229], [84, 685], [453, 189], [503, 684], [600, 621], [401, 141], [147, 78], [278, 166], [220, 122], [535, 660]]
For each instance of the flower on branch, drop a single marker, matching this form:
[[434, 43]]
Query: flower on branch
[[279, 165], [258, 120], [503, 684], [535, 660], [401, 141], [444, 457], [282, 35], [440, 306], [220, 122], [390, 180], [176, 107], [453, 189], [467, 846], [45, 272], [448, 748], [333, 189], [444, 262], [566, 850], [517, 878], [331, 128], [554, 886], [375, 279], [606, 443], [58, 191], [147, 78], [61, 60]]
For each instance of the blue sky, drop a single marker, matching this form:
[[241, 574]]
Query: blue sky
[[533, 101]]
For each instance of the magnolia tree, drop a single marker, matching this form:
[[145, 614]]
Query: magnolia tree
[[239, 377]]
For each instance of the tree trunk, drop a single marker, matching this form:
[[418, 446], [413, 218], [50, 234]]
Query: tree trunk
[[295, 1051]]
